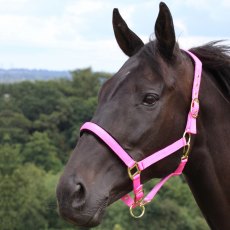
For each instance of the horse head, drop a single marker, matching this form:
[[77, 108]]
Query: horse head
[[144, 107]]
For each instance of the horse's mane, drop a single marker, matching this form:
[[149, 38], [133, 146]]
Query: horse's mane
[[215, 58]]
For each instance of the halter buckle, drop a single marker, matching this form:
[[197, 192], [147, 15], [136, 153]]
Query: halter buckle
[[193, 109], [133, 171]]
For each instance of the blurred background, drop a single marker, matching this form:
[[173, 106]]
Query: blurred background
[[51, 54]]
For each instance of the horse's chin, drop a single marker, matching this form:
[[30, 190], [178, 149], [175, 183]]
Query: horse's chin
[[94, 220], [97, 218]]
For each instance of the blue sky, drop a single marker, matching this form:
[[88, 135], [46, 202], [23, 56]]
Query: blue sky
[[71, 34]]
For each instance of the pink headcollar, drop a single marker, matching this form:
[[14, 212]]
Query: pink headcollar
[[135, 168]]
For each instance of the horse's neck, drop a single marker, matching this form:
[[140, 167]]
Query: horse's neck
[[208, 169]]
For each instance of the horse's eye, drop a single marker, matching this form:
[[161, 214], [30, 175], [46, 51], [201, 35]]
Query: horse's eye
[[150, 99]]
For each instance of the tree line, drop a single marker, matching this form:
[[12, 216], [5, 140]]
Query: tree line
[[39, 127]]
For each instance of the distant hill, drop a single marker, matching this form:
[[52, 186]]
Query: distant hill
[[17, 75]]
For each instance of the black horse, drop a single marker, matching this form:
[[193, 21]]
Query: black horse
[[144, 106]]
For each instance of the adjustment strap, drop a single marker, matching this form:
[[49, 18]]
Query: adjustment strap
[[194, 109], [157, 187], [137, 186], [129, 201], [157, 156]]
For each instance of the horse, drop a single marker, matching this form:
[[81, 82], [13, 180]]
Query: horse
[[144, 108]]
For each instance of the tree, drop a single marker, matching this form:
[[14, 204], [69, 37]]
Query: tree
[[35, 98], [40, 151], [22, 192], [86, 83]]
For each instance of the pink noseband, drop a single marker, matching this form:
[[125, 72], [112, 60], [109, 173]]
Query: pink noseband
[[135, 168]]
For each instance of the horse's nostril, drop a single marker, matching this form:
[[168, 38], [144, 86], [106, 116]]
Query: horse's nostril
[[78, 198]]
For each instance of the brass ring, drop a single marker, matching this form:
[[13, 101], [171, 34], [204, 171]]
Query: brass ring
[[186, 151], [186, 148], [137, 216], [187, 137]]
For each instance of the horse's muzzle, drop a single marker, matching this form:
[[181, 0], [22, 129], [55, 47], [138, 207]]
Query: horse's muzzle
[[74, 207]]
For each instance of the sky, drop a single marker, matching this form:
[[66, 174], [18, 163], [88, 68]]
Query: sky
[[75, 34]]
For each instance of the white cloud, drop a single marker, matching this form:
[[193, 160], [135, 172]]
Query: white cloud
[[12, 5], [128, 13], [193, 41], [180, 27], [56, 40], [226, 3], [83, 7], [60, 30], [201, 4]]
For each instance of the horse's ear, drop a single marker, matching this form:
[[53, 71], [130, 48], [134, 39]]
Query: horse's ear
[[128, 41], [164, 31]]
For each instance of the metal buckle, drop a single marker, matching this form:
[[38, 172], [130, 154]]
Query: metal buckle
[[194, 115], [133, 171]]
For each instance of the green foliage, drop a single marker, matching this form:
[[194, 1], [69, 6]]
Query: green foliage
[[22, 192], [40, 151], [86, 83], [9, 159], [39, 127]]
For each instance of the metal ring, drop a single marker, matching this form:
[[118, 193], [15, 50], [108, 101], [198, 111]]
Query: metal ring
[[187, 137], [186, 148], [186, 151], [142, 207]]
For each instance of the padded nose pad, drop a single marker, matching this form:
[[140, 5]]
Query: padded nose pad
[[78, 196]]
